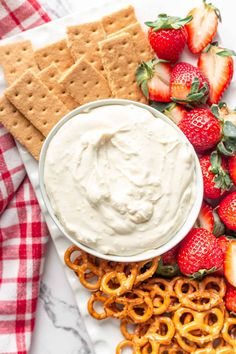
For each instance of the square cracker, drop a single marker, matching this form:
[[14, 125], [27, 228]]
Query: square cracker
[[141, 44], [83, 40], [20, 128], [50, 77], [85, 83], [57, 52], [119, 19], [34, 100], [16, 58], [120, 63]]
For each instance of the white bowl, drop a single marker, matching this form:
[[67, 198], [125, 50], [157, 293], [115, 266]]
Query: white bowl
[[182, 232]]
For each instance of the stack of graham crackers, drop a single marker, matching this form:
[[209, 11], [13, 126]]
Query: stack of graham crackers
[[97, 60]]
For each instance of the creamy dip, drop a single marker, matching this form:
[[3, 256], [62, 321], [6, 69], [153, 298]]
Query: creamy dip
[[119, 180]]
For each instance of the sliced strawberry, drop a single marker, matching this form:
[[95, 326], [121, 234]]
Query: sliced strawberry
[[217, 65], [208, 218], [154, 79], [230, 299], [203, 27], [232, 168], [205, 217], [175, 112], [230, 263]]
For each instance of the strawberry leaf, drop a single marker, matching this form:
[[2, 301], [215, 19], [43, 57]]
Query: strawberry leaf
[[196, 95], [229, 130], [219, 227], [215, 111], [143, 74], [167, 271], [161, 106], [168, 22], [144, 88], [227, 145], [227, 148], [202, 272], [226, 53], [222, 105], [222, 179]]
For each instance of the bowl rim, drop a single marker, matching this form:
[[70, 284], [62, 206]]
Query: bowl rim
[[148, 254]]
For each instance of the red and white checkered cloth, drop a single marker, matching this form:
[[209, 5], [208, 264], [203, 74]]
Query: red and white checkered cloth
[[23, 233]]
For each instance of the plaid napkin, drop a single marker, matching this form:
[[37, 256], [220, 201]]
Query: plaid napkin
[[23, 233]]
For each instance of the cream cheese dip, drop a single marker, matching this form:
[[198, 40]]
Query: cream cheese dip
[[120, 180]]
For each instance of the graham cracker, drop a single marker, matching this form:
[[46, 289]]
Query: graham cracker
[[34, 100], [85, 83], [57, 53], [118, 20], [50, 77], [20, 128], [83, 40], [120, 63], [16, 58], [141, 44]]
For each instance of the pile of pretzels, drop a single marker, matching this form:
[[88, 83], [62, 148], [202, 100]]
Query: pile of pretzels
[[157, 315]]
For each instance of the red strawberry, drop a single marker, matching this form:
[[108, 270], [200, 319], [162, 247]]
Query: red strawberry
[[216, 179], [188, 85], [154, 79], [232, 168], [168, 36], [203, 27], [218, 66], [170, 257], [199, 253], [206, 218], [202, 129], [230, 263], [227, 211], [230, 298], [175, 112], [223, 242]]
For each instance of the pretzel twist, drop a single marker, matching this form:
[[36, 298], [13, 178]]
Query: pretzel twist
[[97, 297], [228, 331], [125, 282], [201, 300], [207, 332], [216, 284]]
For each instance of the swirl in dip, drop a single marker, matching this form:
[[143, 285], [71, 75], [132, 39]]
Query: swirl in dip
[[120, 180]]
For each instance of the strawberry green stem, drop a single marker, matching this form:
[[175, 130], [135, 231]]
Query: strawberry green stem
[[222, 179], [168, 22]]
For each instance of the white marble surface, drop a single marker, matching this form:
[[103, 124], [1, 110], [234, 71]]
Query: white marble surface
[[59, 329]]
